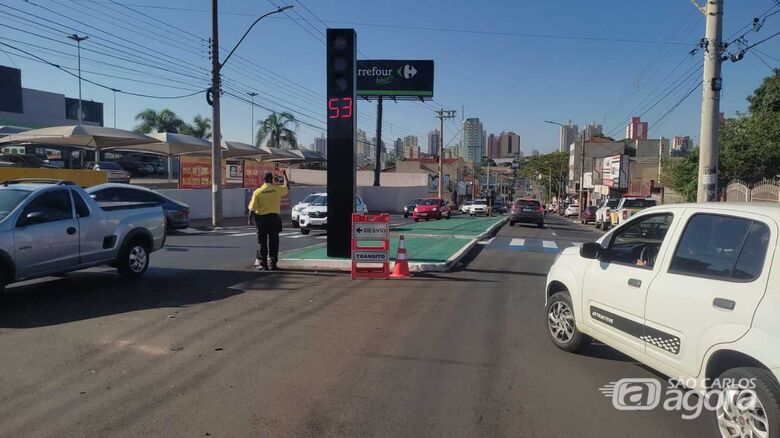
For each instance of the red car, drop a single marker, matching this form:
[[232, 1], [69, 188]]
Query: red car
[[433, 208]]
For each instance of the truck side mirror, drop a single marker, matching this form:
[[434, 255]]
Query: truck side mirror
[[590, 250]]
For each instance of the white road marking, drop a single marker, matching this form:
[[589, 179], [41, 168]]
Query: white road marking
[[298, 236], [288, 233], [577, 244], [322, 237], [487, 242], [517, 242], [243, 234], [554, 233], [549, 244]]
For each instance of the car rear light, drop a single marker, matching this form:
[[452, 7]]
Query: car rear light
[[540, 209], [625, 214]]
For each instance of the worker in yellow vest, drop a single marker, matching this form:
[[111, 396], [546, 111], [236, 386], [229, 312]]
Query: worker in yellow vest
[[264, 212]]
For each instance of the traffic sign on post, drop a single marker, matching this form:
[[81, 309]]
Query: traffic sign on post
[[370, 246]]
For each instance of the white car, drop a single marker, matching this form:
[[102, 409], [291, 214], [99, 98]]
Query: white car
[[480, 206], [603, 213], [572, 210], [691, 290], [299, 207], [315, 216], [466, 207]]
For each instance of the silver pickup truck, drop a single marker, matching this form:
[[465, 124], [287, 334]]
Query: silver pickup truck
[[55, 227]]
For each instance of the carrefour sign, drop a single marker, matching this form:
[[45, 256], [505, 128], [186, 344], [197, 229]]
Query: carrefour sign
[[394, 78]]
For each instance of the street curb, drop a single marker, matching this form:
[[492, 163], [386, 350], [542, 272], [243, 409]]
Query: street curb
[[345, 265]]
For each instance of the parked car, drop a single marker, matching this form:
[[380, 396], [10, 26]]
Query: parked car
[[466, 207], [136, 164], [627, 207], [500, 207], [691, 290], [114, 171], [409, 207], [527, 211], [562, 208], [603, 219], [432, 208], [55, 227], [177, 214], [299, 207], [588, 214], [24, 160], [572, 210], [315, 216], [480, 206]]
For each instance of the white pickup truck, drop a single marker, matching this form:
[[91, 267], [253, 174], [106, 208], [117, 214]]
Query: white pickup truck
[[50, 227], [691, 290]]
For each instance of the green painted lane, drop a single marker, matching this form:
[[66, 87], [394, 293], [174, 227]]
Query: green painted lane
[[418, 249], [457, 226]]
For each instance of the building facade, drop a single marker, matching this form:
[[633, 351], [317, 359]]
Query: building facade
[[590, 130], [569, 134], [398, 147], [321, 145], [411, 147], [680, 143], [473, 140], [509, 145], [636, 129], [492, 146], [434, 141]]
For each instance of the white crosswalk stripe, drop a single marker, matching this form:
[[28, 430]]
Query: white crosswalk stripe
[[549, 244], [517, 242]]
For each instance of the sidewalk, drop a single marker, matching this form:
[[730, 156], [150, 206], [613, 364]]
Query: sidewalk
[[430, 246]]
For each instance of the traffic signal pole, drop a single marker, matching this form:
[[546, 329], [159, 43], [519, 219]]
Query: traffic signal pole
[[378, 161], [441, 115], [216, 131], [710, 103]]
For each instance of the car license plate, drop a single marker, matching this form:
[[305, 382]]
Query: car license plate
[[422, 214], [527, 209]]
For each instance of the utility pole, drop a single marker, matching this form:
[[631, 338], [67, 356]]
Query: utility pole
[[442, 114], [378, 160], [710, 104], [212, 97], [252, 95], [78, 40], [216, 134], [582, 173]]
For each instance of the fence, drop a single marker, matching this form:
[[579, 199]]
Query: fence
[[764, 191]]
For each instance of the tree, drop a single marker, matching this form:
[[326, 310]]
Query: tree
[[153, 121], [274, 131], [679, 173], [200, 127], [553, 166]]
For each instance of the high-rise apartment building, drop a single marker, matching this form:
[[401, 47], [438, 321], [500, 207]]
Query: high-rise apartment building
[[434, 138], [591, 130], [473, 144], [361, 143], [321, 145], [636, 129], [398, 147], [509, 145], [411, 147], [680, 143], [492, 146], [569, 134]]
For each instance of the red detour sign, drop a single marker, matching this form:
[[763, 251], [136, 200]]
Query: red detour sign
[[370, 245]]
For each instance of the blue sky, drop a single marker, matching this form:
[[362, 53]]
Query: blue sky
[[510, 82]]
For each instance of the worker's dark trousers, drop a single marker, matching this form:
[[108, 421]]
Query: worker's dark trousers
[[268, 228]]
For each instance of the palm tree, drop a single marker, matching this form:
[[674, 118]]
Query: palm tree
[[275, 133], [153, 121], [200, 127]]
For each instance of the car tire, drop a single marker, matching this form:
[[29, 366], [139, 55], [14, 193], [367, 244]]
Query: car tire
[[296, 224], [305, 231], [766, 407], [540, 225], [406, 216], [133, 260], [561, 326], [449, 215], [511, 223], [416, 220]]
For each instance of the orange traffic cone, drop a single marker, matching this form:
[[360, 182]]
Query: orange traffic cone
[[401, 268]]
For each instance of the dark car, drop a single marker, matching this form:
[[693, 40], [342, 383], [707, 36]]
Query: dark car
[[527, 211], [136, 164], [23, 160], [114, 171], [500, 207], [409, 208], [589, 214], [177, 214]]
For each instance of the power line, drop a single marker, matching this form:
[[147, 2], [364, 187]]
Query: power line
[[97, 83], [674, 107]]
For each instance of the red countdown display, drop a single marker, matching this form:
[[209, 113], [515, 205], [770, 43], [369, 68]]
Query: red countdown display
[[340, 108]]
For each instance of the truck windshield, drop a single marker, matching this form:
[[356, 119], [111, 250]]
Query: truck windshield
[[9, 200], [638, 203]]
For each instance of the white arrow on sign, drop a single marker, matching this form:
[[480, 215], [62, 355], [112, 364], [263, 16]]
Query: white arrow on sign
[[370, 230]]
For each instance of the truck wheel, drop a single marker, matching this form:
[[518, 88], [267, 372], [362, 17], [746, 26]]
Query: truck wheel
[[133, 260], [540, 225], [305, 231], [511, 223], [749, 404], [561, 326]]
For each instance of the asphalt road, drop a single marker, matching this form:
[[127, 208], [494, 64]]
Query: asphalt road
[[205, 346]]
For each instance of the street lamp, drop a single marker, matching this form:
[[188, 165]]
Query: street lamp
[[115, 90], [78, 40], [252, 95], [212, 97]]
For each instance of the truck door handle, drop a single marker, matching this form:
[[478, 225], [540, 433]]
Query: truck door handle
[[71, 230], [633, 282], [722, 303]]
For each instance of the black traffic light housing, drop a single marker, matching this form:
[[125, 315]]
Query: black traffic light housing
[[341, 80]]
